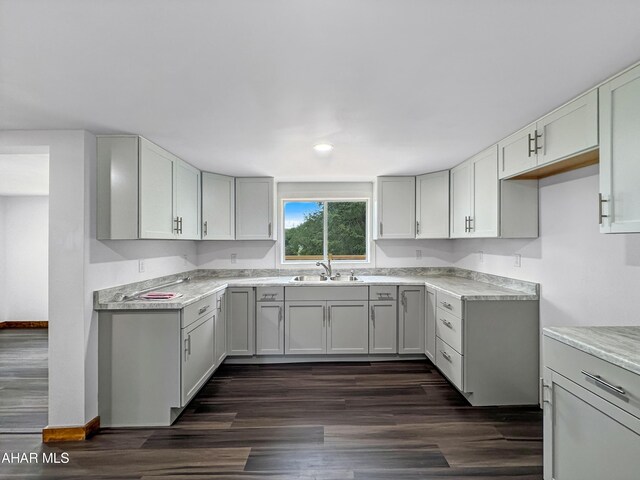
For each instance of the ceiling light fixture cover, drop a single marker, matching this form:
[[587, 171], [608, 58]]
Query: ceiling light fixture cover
[[323, 147]]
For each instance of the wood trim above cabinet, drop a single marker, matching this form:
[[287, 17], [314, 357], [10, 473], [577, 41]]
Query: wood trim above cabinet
[[24, 324], [581, 160], [71, 434]]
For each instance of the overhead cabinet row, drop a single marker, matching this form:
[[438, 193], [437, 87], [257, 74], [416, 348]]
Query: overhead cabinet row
[[146, 192]]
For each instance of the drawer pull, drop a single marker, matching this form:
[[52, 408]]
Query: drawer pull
[[382, 295], [447, 305], [269, 295], [203, 309], [446, 356], [604, 383], [447, 323]]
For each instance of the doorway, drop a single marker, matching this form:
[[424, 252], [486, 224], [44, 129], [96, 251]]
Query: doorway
[[24, 291]]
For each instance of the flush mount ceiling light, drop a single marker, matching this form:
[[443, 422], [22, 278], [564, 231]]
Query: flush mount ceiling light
[[323, 148]]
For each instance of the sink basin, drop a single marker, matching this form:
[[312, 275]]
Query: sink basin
[[310, 278], [346, 278]]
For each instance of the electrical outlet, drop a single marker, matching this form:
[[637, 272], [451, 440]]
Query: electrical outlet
[[481, 256], [418, 254], [517, 260], [141, 266], [234, 258]]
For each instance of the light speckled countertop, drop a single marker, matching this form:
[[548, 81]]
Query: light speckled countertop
[[200, 285], [617, 345]]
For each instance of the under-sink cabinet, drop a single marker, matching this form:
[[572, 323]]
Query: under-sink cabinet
[[591, 416], [488, 349]]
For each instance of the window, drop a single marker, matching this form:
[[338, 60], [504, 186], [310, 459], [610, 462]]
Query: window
[[315, 229]]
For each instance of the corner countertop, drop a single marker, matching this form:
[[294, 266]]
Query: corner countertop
[[201, 285], [617, 345]]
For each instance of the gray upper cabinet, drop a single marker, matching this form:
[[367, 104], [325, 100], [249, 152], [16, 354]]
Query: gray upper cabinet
[[218, 207], [395, 204], [255, 208], [474, 196], [564, 133], [619, 147], [432, 205], [145, 191]]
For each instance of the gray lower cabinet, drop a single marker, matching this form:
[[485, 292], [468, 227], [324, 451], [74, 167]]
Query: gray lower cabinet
[[347, 327], [221, 328], [269, 328], [411, 320], [489, 350], [241, 323], [383, 326], [198, 360], [430, 325], [590, 431], [305, 327]]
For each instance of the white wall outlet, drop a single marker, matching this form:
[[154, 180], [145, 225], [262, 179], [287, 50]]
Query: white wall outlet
[[517, 260], [481, 256], [418, 254], [234, 258], [141, 266]]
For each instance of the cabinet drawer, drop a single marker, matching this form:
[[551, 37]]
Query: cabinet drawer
[[270, 294], [571, 363], [196, 310], [383, 292], [449, 329], [449, 303], [449, 362]]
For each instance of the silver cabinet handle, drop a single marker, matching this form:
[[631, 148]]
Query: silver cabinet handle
[[530, 141], [219, 304], [203, 309], [373, 315], [187, 345], [604, 383], [269, 229], [417, 228], [446, 305], [329, 315], [279, 314], [447, 323], [380, 228], [470, 220], [446, 356], [206, 228], [536, 145], [269, 295], [177, 227], [324, 315], [600, 214], [466, 224]]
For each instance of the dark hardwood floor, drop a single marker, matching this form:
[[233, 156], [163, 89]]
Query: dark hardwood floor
[[373, 421], [23, 380]]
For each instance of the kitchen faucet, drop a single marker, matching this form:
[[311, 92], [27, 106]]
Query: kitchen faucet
[[327, 268]]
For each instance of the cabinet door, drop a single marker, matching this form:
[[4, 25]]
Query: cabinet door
[[157, 218], [241, 321], [411, 320], [516, 153], [432, 205], [269, 328], [395, 207], [460, 199], [254, 209], [619, 147], [305, 328], [484, 219], [188, 200], [586, 437], [430, 326], [569, 130], [348, 327], [383, 327], [221, 328], [197, 356], [218, 207]]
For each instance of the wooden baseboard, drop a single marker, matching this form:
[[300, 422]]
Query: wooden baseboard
[[24, 324], [71, 434]]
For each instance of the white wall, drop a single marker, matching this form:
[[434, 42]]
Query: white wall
[[587, 278], [26, 253]]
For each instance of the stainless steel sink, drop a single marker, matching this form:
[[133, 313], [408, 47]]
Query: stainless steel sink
[[346, 278], [310, 278]]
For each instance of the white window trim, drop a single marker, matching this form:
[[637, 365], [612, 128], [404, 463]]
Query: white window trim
[[282, 263]]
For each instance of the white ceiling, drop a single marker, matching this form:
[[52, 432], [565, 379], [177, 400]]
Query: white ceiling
[[24, 174], [246, 87]]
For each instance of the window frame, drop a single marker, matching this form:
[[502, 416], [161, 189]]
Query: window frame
[[325, 229]]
